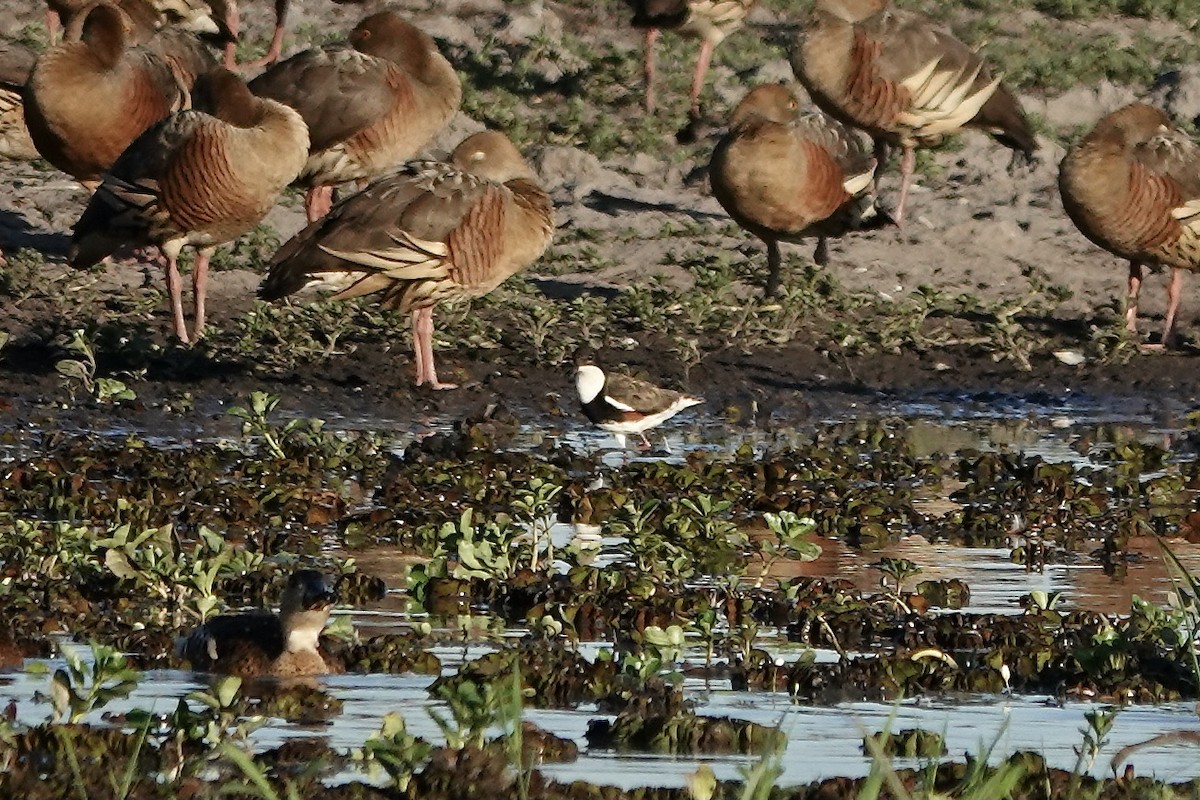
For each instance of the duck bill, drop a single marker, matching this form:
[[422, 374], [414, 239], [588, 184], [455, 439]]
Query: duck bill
[[321, 599]]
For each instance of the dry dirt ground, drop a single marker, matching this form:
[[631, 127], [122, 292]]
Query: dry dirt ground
[[632, 216]]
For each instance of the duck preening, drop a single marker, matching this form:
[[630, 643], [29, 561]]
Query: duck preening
[[623, 405], [370, 103], [787, 176], [86, 101], [261, 643], [199, 178]]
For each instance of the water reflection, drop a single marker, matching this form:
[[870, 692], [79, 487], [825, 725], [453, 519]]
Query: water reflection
[[823, 741]]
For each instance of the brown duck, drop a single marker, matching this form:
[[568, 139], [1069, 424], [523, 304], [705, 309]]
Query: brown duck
[[710, 21], [57, 12], [194, 16], [198, 179], [262, 643], [1132, 186], [86, 101], [148, 27], [902, 79], [431, 232], [370, 104], [787, 176]]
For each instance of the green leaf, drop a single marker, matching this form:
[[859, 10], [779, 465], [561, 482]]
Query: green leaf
[[73, 369], [805, 551], [118, 563], [227, 690]]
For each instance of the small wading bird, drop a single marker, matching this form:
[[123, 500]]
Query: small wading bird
[[903, 80], [370, 103], [431, 232], [1132, 186], [622, 405], [196, 178], [257, 643], [784, 176], [710, 21]]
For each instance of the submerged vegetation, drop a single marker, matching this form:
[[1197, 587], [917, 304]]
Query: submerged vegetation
[[125, 543]]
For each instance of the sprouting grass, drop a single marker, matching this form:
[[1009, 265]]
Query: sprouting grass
[[1051, 59], [1183, 11]]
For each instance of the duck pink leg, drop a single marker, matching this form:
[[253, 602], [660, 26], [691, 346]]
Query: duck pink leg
[[648, 67], [1131, 297], [317, 202], [276, 48], [233, 23], [908, 162], [1168, 335], [175, 291], [702, 62], [422, 326], [199, 287], [52, 23]]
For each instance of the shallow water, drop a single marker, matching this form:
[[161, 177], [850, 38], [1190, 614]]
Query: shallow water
[[822, 741]]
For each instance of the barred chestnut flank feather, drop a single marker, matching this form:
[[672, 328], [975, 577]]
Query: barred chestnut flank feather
[[902, 79], [370, 103], [428, 233]]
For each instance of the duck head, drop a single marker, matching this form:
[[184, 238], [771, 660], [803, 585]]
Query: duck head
[[304, 609]]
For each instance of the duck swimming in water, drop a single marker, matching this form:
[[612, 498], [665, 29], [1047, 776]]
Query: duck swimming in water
[[257, 643]]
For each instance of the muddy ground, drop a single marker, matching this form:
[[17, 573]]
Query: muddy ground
[[637, 214]]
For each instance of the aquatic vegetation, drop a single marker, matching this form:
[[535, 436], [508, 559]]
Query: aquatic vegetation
[[910, 743], [81, 369], [396, 653], [78, 688], [393, 751], [693, 586], [694, 570]]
